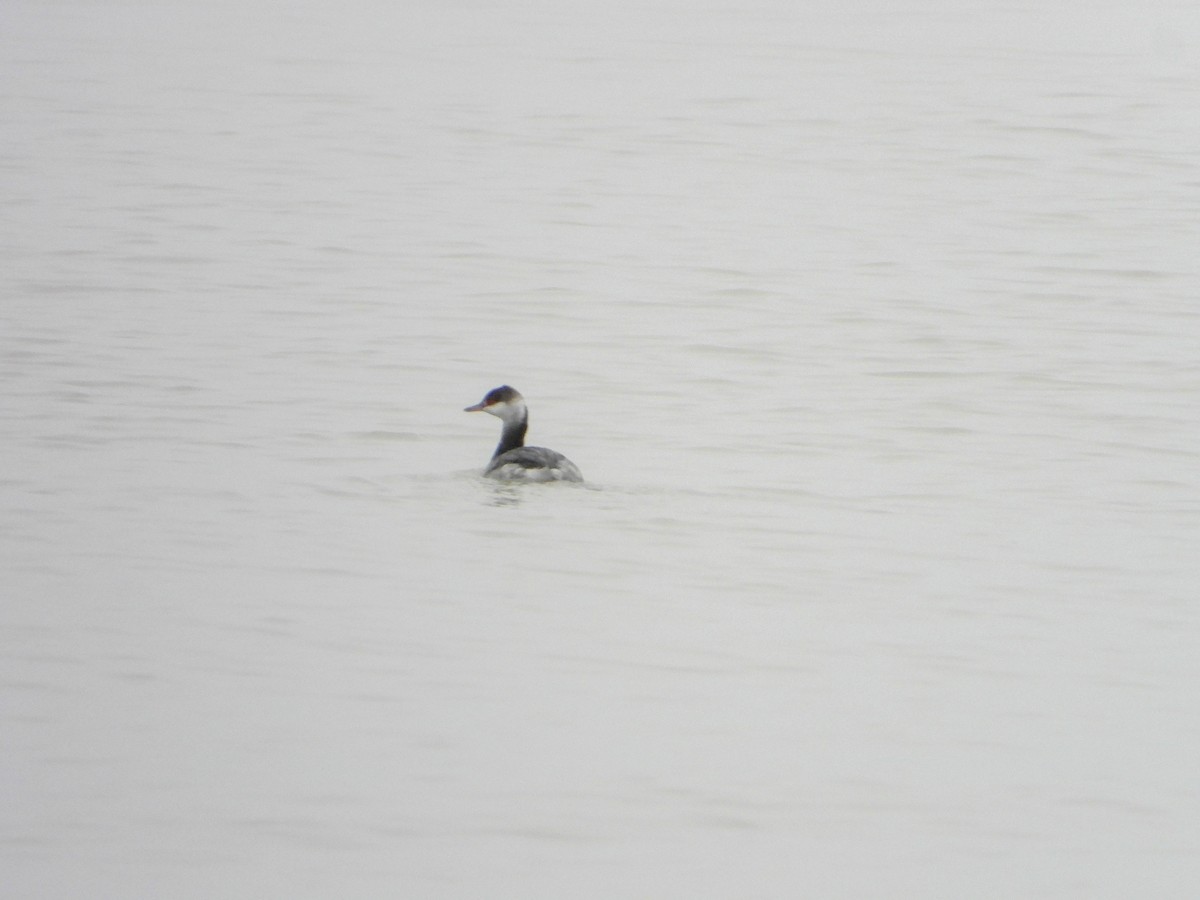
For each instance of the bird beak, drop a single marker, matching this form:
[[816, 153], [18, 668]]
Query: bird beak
[[478, 407]]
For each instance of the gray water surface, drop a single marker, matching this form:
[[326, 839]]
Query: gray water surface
[[873, 327]]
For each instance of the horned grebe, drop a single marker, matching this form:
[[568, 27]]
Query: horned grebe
[[513, 461]]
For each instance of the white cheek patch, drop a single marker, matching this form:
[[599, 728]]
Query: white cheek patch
[[507, 411], [500, 411]]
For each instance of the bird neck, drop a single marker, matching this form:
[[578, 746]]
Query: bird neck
[[513, 435]]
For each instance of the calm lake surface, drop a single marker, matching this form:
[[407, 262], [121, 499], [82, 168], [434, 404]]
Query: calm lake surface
[[874, 328]]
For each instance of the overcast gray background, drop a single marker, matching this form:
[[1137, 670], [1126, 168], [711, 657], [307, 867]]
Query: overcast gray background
[[873, 326]]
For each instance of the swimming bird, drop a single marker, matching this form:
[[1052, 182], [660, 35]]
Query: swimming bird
[[513, 461]]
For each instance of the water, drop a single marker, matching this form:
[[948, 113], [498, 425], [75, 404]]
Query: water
[[874, 330]]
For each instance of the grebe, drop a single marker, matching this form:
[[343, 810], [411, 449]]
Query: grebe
[[513, 461]]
